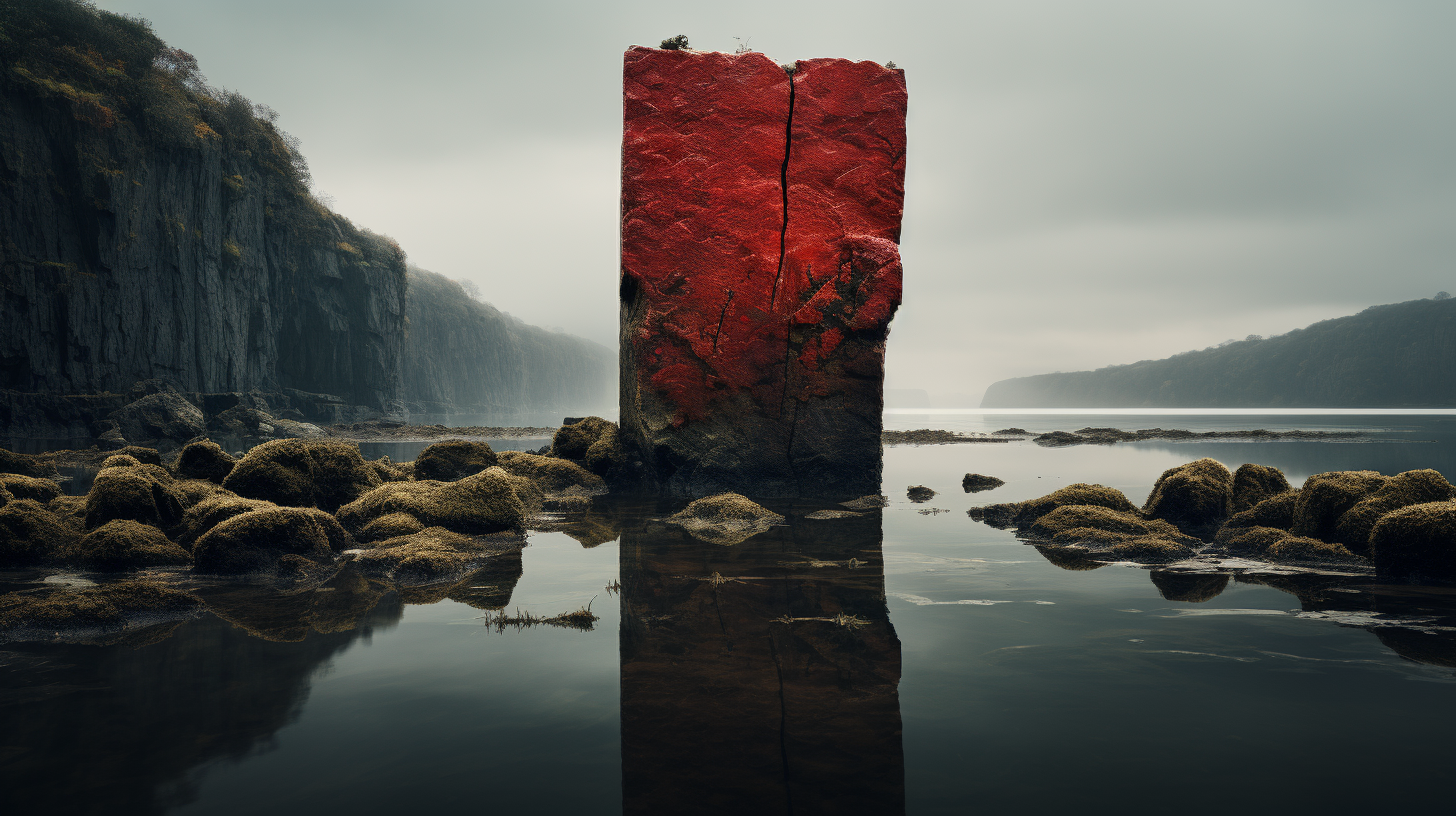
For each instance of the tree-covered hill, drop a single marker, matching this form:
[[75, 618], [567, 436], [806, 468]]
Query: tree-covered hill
[[1401, 355]]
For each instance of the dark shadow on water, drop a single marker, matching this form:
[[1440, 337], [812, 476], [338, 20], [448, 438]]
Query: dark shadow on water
[[761, 677]]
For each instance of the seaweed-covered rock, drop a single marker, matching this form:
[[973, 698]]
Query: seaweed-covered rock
[[30, 534], [147, 456], [1075, 559], [1196, 497], [1151, 549], [1415, 543], [1404, 490], [1025, 512], [1301, 549], [1277, 512], [5, 496], [727, 518], [204, 459], [139, 493], [1101, 526], [391, 525], [108, 606], [919, 493], [121, 545], [391, 471], [211, 512], [120, 460], [11, 462], [1256, 483], [975, 483], [1327, 496], [432, 554], [485, 502], [551, 474], [873, 502], [1188, 587], [453, 459], [326, 474], [271, 540], [69, 509], [593, 442], [1250, 540], [29, 487]]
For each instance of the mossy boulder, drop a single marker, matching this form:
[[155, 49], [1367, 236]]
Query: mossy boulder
[[1415, 543], [1197, 497], [453, 459], [593, 442], [1293, 549], [430, 555], [1024, 513], [29, 487], [273, 540], [120, 460], [1404, 490], [161, 416], [326, 474], [1250, 540], [69, 509], [141, 493], [11, 462], [551, 474], [1188, 587], [976, 482], [485, 502], [109, 606], [1100, 526], [1327, 496], [1277, 512], [146, 456], [122, 545], [919, 493], [204, 459], [727, 518], [391, 471], [30, 535], [211, 512], [1257, 483], [1150, 549], [392, 525]]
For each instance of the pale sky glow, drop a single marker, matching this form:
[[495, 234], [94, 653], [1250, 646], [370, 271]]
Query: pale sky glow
[[1088, 183]]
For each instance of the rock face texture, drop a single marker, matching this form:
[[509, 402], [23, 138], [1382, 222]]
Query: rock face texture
[[760, 269]]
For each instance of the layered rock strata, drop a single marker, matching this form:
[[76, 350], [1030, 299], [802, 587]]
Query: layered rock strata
[[761, 211]]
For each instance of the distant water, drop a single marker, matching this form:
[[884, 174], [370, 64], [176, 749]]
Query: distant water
[[917, 661]]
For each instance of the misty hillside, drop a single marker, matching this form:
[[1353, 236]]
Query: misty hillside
[[465, 356], [1400, 355]]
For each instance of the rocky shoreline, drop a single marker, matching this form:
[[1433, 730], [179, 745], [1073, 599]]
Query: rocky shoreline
[[1106, 436]]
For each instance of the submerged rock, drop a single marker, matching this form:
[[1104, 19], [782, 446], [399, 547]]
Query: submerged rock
[[326, 474], [866, 503], [1197, 497], [109, 606], [1415, 543], [431, 555], [1188, 587], [727, 518], [976, 483], [453, 459], [273, 540]]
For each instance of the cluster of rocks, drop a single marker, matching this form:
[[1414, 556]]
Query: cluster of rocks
[[1110, 436], [293, 511], [1404, 526]]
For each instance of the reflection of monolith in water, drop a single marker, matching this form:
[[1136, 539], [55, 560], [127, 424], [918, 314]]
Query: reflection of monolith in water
[[760, 678], [760, 269]]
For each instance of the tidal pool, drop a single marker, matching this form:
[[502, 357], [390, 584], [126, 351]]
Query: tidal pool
[[908, 660]]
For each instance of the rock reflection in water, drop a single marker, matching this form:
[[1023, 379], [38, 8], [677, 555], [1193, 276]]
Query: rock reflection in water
[[129, 728], [760, 677]]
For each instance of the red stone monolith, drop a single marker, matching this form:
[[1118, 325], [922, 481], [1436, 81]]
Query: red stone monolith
[[760, 268]]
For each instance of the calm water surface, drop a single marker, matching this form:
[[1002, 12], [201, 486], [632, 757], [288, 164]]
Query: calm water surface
[[913, 660]]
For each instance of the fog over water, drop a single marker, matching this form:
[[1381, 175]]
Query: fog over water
[[1088, 184]]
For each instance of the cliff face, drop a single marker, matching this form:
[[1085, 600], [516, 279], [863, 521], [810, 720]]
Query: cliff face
[[1394, 356], [462, 356], [153, 227]]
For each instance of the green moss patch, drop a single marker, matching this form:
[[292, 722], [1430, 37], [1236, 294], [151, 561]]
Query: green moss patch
[[30, 535], [1256, 483], [1404, 490], [29, 487], [1327, 496], [204, 459], [1196, 497], [1024, 513], [552, 475], [326, 474], [110, 606], [273, 540], [1415, 543], [727, 518], [453, 459], [122, 545], [485, 502]]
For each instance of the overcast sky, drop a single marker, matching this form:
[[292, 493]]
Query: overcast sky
[[1088, 183]]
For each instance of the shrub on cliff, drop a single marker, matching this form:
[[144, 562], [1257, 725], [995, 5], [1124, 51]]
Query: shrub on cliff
[[453, 459], [1196, 497], [289, 540], [326, 474]]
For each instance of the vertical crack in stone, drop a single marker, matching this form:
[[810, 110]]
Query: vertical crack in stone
[[783, 726], [784, 188], [722, 314]]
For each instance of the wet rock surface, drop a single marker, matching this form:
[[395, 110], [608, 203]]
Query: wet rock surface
[[759, 270]]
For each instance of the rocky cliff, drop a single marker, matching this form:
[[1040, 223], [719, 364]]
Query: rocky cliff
[[1395, 356], [462, 356], [151, 227]]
